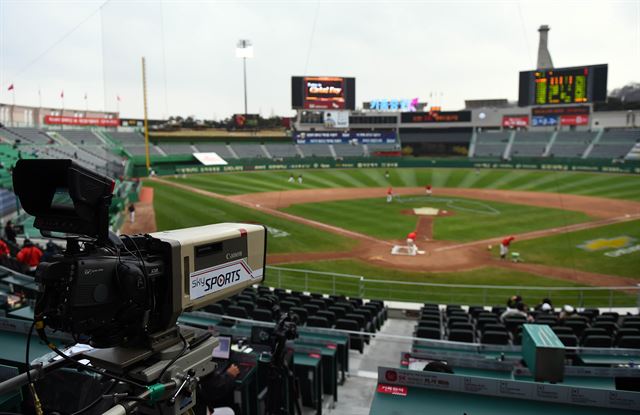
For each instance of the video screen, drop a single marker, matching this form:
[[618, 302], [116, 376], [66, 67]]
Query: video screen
[[323, 92]]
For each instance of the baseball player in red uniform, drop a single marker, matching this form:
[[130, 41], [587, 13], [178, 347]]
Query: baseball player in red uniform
[[389, 195], [427, 189], [411, 239], [504, 246]]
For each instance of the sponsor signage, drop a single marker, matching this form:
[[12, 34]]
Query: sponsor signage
[[574, 120], [544, 120], [511, 121], [65, 120], [404, 105], [392, 389], [435, 117], [242, 121], [331, 137], [210, 159], [220, 277], [567, 110], [138, 122]]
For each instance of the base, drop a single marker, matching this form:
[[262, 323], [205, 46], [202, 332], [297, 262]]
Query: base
[[405, 250]]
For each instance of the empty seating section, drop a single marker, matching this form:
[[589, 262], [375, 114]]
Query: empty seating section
[[282, 150], [348, 150], [476, 324], [312, 310], [615, 144], [373, 148], [529, 144], [24, 136], [491, 144], [139, 150], [316, 150], [127, 137], [80, 137], [571, 143], [248, 150], [176, 148], [218, 148]]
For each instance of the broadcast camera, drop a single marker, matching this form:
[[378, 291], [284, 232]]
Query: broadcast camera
[[124, 294]]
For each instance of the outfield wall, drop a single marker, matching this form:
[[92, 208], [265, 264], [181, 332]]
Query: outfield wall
[[186, 164]]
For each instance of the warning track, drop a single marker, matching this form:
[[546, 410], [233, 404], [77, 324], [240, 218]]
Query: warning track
[[442, 256]]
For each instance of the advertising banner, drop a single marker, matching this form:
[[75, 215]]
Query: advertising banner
[[436, 117], [566, 110], [511, 121], [210, 159], [80, 121], [544, 120], [324, 93], [329, 137], [574, 120]]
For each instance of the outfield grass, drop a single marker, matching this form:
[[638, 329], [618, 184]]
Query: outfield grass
[[472, 219], [591, 184], [177, 208], [302, 276], [562, 250]]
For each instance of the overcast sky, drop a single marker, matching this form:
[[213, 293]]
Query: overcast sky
[[453, 50]]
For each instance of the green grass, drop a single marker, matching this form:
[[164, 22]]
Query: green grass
[[472, 220], [591, 184], [302, 277], [176, 208], [562, 250]]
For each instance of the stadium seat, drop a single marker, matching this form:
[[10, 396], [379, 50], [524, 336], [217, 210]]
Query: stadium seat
[[457, 319], [429, 323], [362, 323], [613, 314], [428, 333], [429, 314], [482, 321], [346, 305], [356, 301], [461, 326], [493, 327], [630, 319], [474, 310], [593, 331], [606, 317], [498, 309], [569, 340], [316, 296], [465, 336], [453, 307], [487, 314], [517, 339], [311, 308], [316, 321], [214, 308], [301, 312], [458, 313], [263, 289], [609, 326], [286, 305], [237, 311], [592, 311], [280, 292], [369, 318], [338, 311], [578, 325], [495, 337], [319, 303], [512, 323], [225, 303], [264, 302], [629, 342], [329, 315], [431, 306], [562, 330], [631, 325], [626, 332], [356, 340], [261, 314], [597, 341], [248, 305]]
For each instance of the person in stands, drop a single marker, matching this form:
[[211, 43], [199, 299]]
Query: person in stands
[[520, 309], [29, 255], [4, 249], [10, 232]]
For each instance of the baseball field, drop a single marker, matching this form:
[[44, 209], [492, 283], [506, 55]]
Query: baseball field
[[571, 229]]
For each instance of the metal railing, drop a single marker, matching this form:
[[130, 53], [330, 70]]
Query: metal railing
[[420, 292]]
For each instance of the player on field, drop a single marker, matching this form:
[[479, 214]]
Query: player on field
[[427, 189], [300, 179], [504, 246], [411, 240], [291, 178], [389, 195]]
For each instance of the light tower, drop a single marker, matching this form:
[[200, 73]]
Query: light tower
[[544, 57], [244, 50]]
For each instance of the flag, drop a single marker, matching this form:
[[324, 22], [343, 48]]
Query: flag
[[118, 98], [62, 94], [85, 96], [11, 88]]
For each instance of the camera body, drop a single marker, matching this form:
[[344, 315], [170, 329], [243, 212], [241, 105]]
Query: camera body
[[129, 290]]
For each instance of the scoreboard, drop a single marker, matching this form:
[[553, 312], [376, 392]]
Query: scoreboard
[[577, 85]]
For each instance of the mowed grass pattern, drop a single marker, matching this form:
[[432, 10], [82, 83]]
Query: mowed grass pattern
[[301, 277], [590, 184], [176, 208], [472, 220], [562, 250]]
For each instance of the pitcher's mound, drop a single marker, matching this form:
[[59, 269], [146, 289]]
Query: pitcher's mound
[[426, 211]]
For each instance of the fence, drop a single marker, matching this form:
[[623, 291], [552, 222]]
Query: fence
[[420, 292]]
